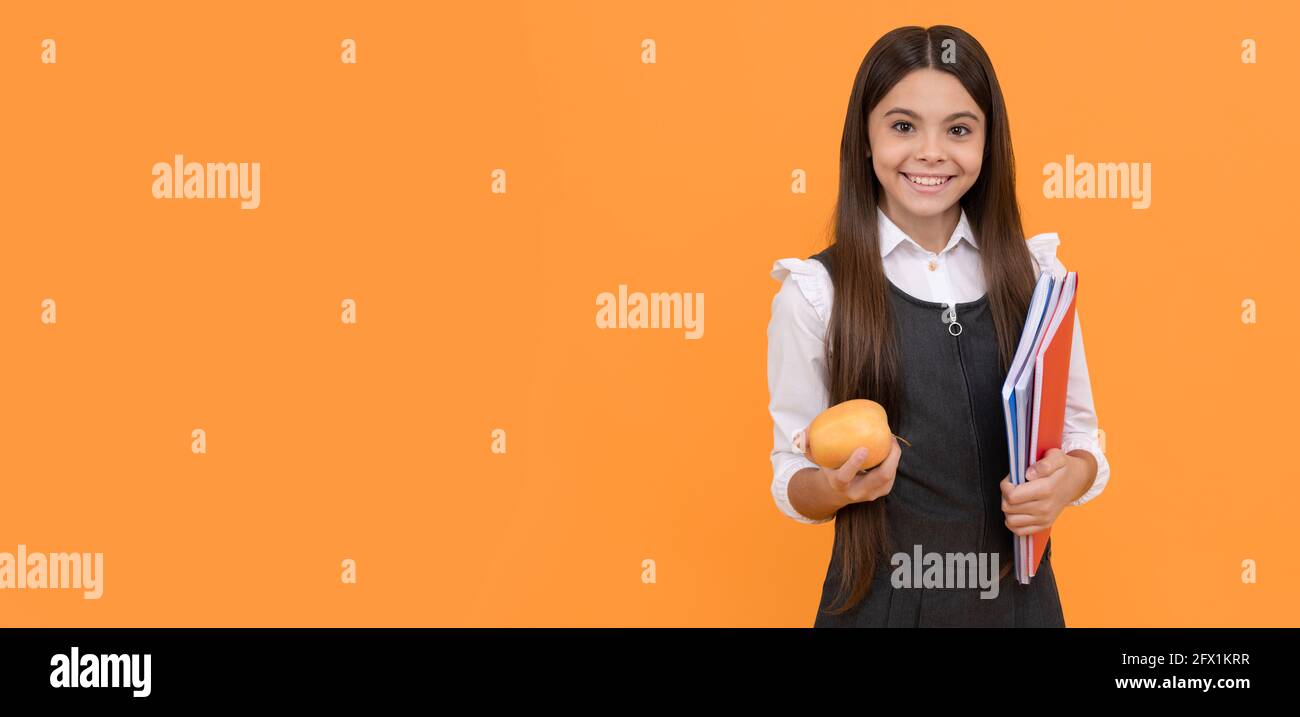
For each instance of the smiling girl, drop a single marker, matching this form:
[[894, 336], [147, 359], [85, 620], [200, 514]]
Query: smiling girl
[[918, 304]]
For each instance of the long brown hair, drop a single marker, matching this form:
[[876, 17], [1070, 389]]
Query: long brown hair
[[861, 350]]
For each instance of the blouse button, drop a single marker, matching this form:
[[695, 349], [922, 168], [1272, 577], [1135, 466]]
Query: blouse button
[[932, 265]]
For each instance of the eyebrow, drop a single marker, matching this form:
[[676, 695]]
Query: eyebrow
[[949, 118]]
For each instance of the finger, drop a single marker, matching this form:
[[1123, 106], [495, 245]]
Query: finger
[[1036, 517], [1018, 522], [1014, 494], [855, 461], [889, 464], [881, 478], [1007, 487], [882, 474], [1057, 457], [1033, 507], [882, 486], [1027, 492], [1034, 490], [1052, 461], [895, 455], [841, 477]]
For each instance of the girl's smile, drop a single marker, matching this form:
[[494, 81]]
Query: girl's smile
[[927, 183]]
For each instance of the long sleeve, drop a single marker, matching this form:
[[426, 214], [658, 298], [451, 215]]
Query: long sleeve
[[1080, 412], [1081, 416], [796, 371]]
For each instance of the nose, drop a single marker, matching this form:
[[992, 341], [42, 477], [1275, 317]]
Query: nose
[[930, 149]]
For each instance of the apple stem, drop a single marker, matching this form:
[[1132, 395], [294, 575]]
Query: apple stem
[[904, 440]]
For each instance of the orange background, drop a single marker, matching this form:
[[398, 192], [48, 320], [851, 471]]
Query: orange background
[[476, 311]]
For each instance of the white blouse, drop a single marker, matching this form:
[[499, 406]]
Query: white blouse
[[797, 378]]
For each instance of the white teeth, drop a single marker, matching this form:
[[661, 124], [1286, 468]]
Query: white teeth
[[927, 181]]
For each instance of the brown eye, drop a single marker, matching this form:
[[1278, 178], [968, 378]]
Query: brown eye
[[895, 125]]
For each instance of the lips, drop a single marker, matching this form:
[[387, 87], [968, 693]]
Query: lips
[[934, 184], [927, 180]]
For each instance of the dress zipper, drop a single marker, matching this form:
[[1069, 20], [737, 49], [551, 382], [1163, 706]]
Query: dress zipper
[[950, 318]]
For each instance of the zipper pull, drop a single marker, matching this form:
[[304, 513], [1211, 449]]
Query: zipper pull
[[950, 318]]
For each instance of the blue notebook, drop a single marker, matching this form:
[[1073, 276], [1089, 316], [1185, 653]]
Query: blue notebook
[[1017, 398]]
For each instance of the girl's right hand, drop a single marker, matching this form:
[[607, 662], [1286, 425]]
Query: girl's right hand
[[855, 487]]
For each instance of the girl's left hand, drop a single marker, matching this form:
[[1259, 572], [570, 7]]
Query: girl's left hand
[[1033, 506]]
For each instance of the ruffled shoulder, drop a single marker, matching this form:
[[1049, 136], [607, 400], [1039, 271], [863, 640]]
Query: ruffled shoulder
[[1043, 248], [812, 279]]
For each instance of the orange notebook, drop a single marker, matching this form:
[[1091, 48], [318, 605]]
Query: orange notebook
[[1051, 378]]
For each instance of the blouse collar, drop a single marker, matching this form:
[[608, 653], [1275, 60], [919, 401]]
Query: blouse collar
[[890, 236]]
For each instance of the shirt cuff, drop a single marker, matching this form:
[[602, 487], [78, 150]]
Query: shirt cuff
[[781, 489], [1077, 441]]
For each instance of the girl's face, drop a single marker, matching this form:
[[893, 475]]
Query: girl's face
[[929, 128]]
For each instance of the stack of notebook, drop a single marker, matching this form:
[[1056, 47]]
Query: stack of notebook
[[1033, 396]]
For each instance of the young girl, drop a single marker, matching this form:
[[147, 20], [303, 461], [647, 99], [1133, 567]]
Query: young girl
[[918, 305]]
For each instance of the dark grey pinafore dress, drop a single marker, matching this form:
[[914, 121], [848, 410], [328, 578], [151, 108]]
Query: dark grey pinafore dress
[[946, 496]]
